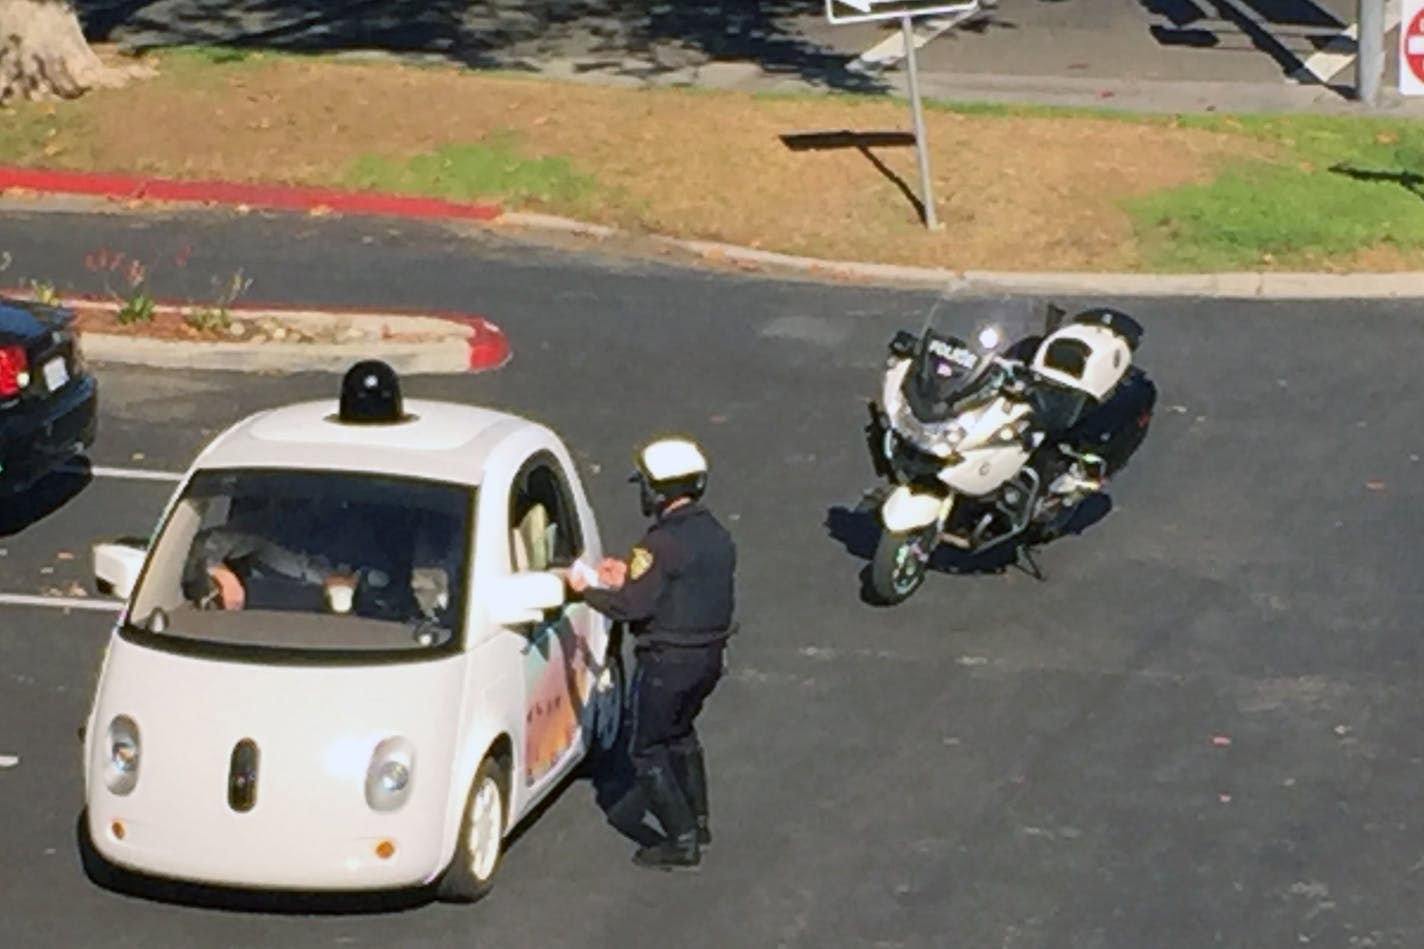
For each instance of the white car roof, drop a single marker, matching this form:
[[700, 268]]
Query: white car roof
[[440, 440]]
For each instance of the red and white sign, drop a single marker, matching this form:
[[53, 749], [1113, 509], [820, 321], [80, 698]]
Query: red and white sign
[[1411, 48]]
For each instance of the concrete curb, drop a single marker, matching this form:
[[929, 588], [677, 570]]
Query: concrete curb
[[413, 344], [1266, 285], [1262, 285]]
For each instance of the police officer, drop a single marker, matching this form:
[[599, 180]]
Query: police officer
[[676, 591]]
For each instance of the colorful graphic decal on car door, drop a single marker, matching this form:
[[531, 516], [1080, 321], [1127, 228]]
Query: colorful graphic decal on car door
[[556, 685]]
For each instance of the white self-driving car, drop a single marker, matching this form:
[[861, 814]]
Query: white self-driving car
[[346, 660]]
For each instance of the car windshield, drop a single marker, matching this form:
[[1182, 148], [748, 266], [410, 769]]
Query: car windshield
[[259, 562]]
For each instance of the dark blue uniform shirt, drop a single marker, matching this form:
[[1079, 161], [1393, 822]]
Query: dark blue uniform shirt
[[679, 589]]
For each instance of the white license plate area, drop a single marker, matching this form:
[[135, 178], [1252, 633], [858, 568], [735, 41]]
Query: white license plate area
[[56, 374]]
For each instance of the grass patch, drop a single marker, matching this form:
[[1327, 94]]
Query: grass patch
[[38, 133], [1340, 186], [1007, 110], [1003, 110], [492, 168], [211, 55]]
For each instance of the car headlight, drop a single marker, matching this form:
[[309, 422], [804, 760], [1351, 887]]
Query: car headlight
[[393, 777], [390, 775], [124, 752]]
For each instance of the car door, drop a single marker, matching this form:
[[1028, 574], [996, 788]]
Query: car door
[[546, 533]]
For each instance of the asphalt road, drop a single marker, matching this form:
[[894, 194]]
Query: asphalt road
[[1221, 40], [997, 762], [1253, 41]]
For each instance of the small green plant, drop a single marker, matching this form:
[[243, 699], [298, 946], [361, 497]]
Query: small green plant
[[209, 319], [44, 293], [217, 317], [137, 308], [227, 293]]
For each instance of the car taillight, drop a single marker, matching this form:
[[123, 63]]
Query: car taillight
[[14, 370]]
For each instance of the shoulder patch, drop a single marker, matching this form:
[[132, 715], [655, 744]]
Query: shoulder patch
[[640, 563]]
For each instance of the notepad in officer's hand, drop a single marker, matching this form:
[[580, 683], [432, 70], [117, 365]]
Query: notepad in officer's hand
[[589, 574]]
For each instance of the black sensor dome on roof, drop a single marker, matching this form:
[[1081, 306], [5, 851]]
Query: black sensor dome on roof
[[371, 395]]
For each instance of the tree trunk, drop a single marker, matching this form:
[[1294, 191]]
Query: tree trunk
[[43, 53]]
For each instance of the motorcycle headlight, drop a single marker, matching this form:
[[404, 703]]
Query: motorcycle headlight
[[390, 776], [124, 752], [946, 442]]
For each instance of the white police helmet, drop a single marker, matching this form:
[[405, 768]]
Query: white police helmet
[[669, 468]]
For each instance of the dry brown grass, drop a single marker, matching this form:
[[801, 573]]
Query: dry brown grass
[[1013, 192]]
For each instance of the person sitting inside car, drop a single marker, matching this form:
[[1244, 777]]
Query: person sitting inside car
[[222, 561]]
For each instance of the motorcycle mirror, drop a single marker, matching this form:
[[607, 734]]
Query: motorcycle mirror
[[904, 343]]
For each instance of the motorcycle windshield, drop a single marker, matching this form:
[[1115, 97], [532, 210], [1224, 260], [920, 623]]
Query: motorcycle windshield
[[955, 364]]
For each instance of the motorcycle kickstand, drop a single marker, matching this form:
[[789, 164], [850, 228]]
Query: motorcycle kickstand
[[1026, 562]]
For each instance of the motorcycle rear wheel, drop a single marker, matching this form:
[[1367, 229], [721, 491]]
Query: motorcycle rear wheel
[[899, 565]]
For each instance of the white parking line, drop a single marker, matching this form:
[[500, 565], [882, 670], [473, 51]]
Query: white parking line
[[1340, 51], [60, 602], [892, 48], [133, 474]]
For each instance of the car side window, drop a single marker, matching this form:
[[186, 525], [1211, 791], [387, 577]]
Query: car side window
[[544, 531]]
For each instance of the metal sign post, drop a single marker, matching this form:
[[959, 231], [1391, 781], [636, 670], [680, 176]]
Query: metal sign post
[[1369, 57], [905, 11], [922, 148]]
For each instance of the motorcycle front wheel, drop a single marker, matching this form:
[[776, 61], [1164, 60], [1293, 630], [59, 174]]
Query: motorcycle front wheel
[[899, 565]]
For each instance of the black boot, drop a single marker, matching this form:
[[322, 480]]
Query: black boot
[[665, 800], [691, 771]]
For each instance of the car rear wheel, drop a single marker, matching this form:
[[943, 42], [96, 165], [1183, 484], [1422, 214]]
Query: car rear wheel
[[480, 847]]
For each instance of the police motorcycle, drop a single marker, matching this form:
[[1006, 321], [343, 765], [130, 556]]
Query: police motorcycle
[[986, 441]]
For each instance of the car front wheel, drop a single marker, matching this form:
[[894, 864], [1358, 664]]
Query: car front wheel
[[480, 847]]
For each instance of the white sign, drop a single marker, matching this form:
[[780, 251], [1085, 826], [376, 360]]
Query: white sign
[[1411, 48], [864, 11]]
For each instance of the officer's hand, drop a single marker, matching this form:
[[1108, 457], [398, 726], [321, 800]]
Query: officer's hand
[[612, 572]]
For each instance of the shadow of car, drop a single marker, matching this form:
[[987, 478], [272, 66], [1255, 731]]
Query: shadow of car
[[20, 509]]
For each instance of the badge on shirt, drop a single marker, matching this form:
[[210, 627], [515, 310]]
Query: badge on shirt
[[641, 562]]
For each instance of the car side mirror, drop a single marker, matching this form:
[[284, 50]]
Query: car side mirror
[[117, 566], [524, 597]]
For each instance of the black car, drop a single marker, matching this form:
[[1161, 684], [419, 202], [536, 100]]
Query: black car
[[48, 398]]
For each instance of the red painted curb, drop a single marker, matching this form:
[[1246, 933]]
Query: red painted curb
[[489, 346], [271, 197]]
